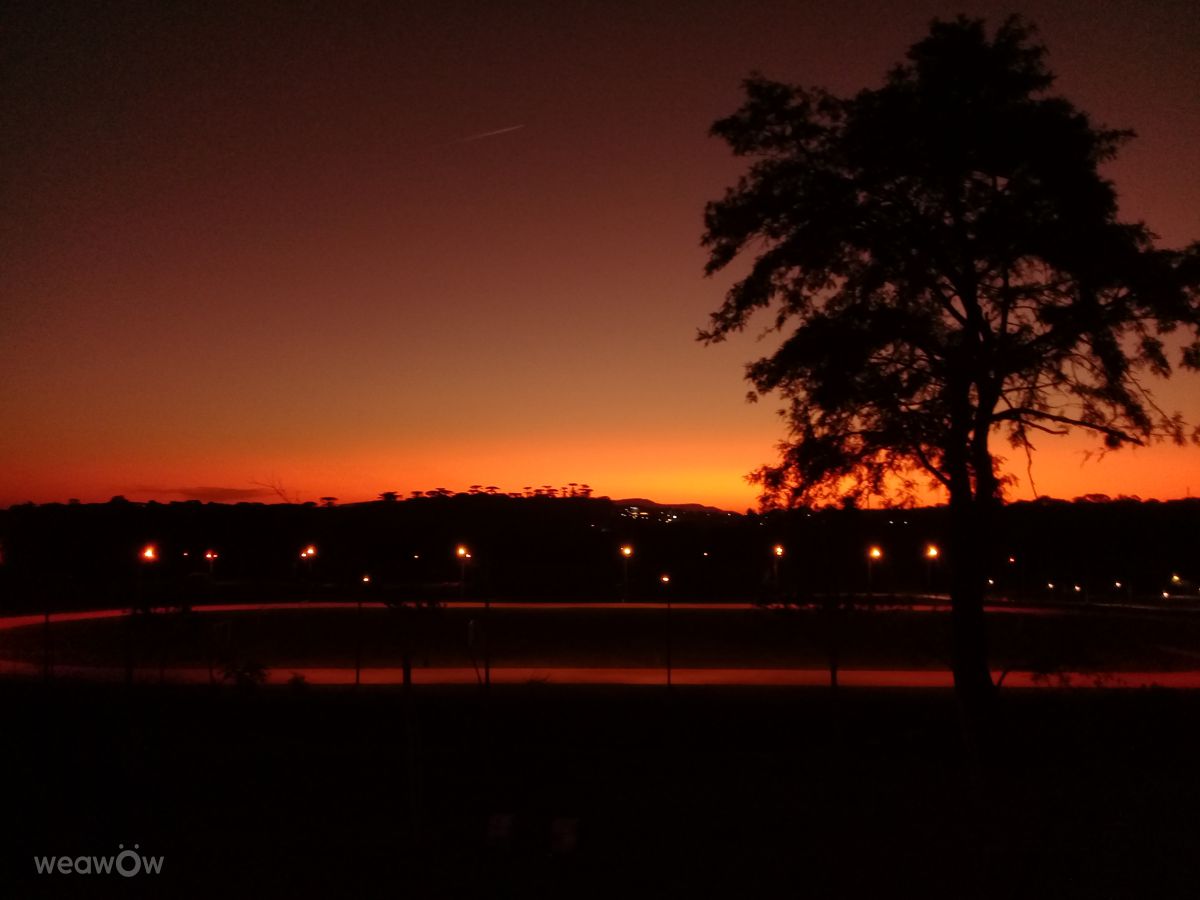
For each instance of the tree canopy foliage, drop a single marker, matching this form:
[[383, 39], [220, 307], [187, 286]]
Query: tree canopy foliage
[[945, 260]]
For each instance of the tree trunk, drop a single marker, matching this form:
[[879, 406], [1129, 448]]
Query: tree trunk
[[972, 677]]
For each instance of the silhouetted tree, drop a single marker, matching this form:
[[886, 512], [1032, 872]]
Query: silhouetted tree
[[389, 496], [950, 264]]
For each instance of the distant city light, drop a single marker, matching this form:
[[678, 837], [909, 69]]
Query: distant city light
[[875, 553], [626, 551], [665, 579], [778, 550], [366, 579], [149, 553], [931, 552]]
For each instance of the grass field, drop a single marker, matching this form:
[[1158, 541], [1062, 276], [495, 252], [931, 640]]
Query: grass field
[[536, 790]]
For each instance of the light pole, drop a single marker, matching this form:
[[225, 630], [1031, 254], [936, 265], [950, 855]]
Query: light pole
[[931, 556], [463, 555], [665, 580], [148, 556], [626, 553], [776, 556], [210, 557], [308, 554], [874, 554], [366, 581]]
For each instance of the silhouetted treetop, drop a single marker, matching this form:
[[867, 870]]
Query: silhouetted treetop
[[951, 260], [944, 259]]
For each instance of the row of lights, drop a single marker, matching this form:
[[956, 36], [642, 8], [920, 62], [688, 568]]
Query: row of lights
[[150, 553], [874, 554]]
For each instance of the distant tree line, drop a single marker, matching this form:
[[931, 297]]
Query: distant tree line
[[63, 556]]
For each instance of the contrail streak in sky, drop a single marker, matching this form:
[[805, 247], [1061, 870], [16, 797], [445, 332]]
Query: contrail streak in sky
[[488, 134]]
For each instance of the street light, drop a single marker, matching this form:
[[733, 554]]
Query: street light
[[210, 556], [776, 556], [665, 579], [366, 580], [147, 557], [626, 554], [874, 554], [931, 556], [463, 555]]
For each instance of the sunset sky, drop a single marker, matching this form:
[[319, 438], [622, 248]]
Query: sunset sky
[[249, 244]]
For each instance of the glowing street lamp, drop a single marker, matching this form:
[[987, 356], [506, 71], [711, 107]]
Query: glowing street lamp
[[874, 555], [210, 557], [366, 580], [776, 555], [148, 556], [626, 555], [307, 555], [931, 556], [665, 580], [463, 554]]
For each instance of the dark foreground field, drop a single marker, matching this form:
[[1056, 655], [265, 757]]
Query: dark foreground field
[[598, 792]]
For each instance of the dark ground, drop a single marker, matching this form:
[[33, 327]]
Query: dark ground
[[738, 792], [1041, 640]]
